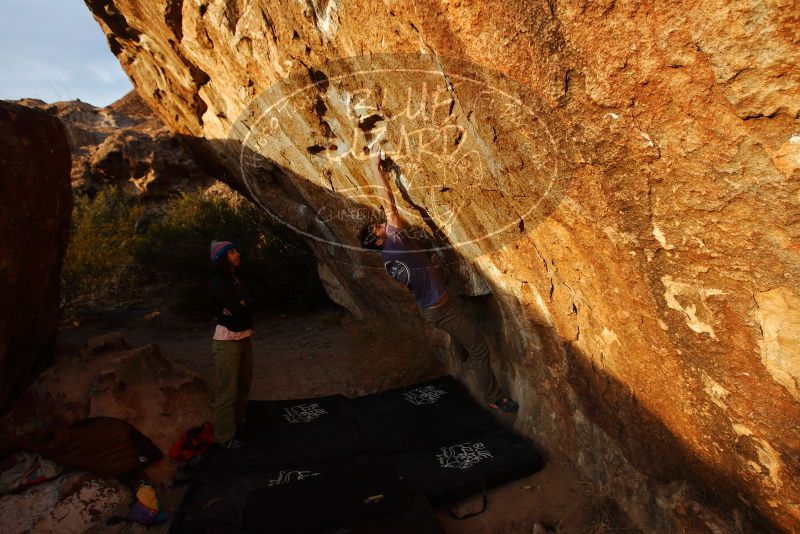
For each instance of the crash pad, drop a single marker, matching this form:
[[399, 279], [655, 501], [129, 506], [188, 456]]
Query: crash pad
[[334, 464]]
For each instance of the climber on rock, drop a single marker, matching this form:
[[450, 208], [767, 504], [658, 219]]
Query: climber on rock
[[414, 269]]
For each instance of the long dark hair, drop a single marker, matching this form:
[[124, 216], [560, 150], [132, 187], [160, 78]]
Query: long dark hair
[[367, 239], [223, 267]]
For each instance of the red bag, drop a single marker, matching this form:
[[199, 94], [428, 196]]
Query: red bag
[[194, 442]]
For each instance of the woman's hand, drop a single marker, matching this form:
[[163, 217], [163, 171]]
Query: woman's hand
[[226, 312]]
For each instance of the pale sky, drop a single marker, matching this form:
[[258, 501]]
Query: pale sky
[[54, 50]]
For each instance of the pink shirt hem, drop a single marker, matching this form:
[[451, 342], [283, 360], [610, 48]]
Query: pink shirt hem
[[223, 334]]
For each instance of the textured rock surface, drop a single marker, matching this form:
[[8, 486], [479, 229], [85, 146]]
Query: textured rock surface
[[35, 207], [74, 502], [646, 317], [124, 144], [108, 378]]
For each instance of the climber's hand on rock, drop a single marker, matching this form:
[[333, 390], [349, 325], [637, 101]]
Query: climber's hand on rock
[[380, 181], [226, 312], [374, 153]]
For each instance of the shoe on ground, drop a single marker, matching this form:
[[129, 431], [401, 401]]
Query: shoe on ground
[[504, 405]]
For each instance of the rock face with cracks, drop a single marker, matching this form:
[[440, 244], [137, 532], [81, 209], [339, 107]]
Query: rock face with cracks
[[35, 208], [615, 184]]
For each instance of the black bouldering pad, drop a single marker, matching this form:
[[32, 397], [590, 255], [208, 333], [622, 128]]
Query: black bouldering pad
[[358, 495], [443, 394], [457, 470], [216, 503], [319, 430], [265, 452], [333, 496], [298, 416], [419, 416], [334, 464]]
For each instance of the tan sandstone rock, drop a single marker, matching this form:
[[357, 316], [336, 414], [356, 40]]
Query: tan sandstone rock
[[139, 385], [619, 179]]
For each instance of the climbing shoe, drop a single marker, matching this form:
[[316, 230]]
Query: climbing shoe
[[504, 405], [234, 444]]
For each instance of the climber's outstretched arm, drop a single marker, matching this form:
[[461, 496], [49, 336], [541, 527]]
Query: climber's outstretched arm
[[381, 181]]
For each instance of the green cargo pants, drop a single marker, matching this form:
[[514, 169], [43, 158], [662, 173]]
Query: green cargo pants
[[451, 318], [234, 362]]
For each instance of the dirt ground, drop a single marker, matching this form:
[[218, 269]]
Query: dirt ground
[[327, 352]]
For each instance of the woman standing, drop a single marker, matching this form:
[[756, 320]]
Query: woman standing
[[231, 343]]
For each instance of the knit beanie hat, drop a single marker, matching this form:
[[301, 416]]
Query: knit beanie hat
[[219, 248]]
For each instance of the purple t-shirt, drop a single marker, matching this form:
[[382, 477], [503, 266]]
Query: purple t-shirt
[[412, 267]]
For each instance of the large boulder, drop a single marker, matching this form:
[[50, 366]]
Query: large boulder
[[107, 378], [35, 208], [620, 182]]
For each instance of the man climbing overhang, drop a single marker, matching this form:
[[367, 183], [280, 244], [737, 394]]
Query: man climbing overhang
[[409, 265]]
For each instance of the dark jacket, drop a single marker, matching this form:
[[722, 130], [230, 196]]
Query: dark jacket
[[225, 293]]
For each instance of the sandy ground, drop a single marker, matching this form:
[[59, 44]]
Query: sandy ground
[[327, 352]]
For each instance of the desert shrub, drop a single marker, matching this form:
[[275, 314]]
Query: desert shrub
[[98, 265], [175, 246], [121, 252]]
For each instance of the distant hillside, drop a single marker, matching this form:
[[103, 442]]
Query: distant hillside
[[124, 144]]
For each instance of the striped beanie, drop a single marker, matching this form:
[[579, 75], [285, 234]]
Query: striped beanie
[[219, 248]]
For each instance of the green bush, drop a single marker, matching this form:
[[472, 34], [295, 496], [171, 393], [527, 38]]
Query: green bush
[[98, 265], [120, 250], [176, 247]]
